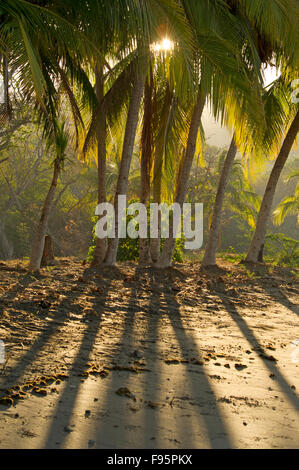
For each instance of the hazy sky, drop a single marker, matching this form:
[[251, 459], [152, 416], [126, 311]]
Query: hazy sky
[[217, 135]]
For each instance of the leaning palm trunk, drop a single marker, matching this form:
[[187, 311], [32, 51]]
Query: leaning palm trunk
[[144, 250], [145, 166], [182, 185], [265, 210], [123, 177], [214, 234], [39, 238], [101, 243], [155, 242]]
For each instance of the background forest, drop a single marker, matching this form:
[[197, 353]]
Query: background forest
[[27, 173], [99, 102]]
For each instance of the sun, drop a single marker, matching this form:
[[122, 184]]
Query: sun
[[166, 45]]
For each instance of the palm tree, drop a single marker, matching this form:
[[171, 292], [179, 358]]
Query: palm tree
[[225, 80], [182, 185], [38, 43], [257, 243], [104, 26], [289, 205], [146, 160], [101, 244], [258, 34], [59, 141], [212, 245], [28, 30], [172, 122], [128, 146], [164, 127], [155, 11], [118, 30]]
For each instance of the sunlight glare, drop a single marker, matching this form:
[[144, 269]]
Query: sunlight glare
[[166, 45]]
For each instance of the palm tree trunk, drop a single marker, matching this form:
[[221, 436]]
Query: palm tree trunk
[[101, 243], [155, 244], [182, 185], [145, 166], [214, 234], [266, 206], [128, 147], [40, 234]]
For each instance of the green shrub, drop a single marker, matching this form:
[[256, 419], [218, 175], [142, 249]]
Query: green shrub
[[282, 250], [128, 249]]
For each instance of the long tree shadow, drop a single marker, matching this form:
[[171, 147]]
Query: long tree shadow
[[20, 366], [65, 407], [149, 404], [141, 329], [52, 327], [23, 282], [269, 364], [7, 299], [260, 271], [123, 364], [210, 414], [157, 427], [151, 394]]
